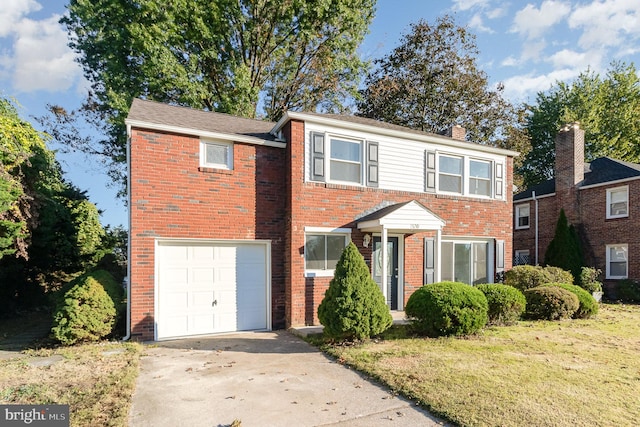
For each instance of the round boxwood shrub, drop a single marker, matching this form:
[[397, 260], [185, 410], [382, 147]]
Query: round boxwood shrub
[[588, 305], [525, 277], [550, 303], [506, 303], [447, 308], [353, 307], [558, 275], [85, 313]]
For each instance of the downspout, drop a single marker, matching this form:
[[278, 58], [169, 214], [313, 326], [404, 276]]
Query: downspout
[[533, 194], [128, 323]]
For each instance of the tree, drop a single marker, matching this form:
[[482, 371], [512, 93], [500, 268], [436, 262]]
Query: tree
[[431, 81], [607, 108], [565, 250], [223, 55], [353, 307]]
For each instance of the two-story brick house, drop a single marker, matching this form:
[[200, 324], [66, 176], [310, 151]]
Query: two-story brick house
[[237, 224], [600, 199]]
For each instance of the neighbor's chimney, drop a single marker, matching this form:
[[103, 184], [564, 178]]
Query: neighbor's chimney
[[456, 132], [569, 169]]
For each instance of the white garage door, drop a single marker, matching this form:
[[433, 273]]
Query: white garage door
[[206, 288]]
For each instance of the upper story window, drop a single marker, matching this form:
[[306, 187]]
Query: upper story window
[[450, 177], [618, 202], [617, 261], [322, 250], [216, 155], [343, 160], [480, 178], [522, 216], [346, 160]]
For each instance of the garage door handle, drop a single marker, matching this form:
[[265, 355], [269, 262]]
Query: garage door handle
[[214, 303]]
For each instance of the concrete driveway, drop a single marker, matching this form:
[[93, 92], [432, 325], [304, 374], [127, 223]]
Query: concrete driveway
[[259, 379]]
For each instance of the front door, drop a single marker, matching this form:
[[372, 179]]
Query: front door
[[392, 269]]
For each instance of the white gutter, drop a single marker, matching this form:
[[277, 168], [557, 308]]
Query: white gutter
[[533, 195], [128, 323]]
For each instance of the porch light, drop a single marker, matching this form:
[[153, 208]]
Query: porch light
[[366, 240]]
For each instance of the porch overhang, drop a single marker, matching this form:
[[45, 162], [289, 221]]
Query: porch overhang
[[409, 217]]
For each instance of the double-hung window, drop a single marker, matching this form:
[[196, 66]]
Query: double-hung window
[[322, 250], [216, 154], [450, 174], [465, 262], [480, 178], [345, 163], [617, 261], [618, 202], [522, 216]]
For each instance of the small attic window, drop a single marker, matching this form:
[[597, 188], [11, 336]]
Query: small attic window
[[216, 155]]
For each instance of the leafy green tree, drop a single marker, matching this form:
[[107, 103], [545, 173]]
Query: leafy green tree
[[431, 81], [353, 307], [607, 108], [565, 250], [223, 55]]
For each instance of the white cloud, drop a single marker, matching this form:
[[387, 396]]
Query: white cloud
[[526, 86], [607, 23], [533, 23], [12, 12], [37, 57], [533, 51], [477, 23], [577, 60], [463, 5], [509, 61], [498, 12]]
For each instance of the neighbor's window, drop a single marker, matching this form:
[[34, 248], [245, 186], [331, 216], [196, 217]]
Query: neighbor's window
[[450, 174], [618, 202], [617, 261], [480, 178], [322, 250], [521, 257], [522, 216], [217, 155], [346, 160]]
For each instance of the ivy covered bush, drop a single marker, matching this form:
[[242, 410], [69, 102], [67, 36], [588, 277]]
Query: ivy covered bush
[[506, 303], [550, 303], [84, 312], [588, 305], [447, 308], [525, 277], [353, 307]]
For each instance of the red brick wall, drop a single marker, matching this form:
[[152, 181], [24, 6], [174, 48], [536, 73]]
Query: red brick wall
[[170, 197]]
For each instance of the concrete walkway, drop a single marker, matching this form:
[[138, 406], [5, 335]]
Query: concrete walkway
[[259, 379]]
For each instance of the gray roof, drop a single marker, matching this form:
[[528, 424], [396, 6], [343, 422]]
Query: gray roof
[[599, 171], [382, 212], [157, 113]]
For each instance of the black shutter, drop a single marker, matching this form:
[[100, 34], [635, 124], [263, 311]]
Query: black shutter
[[372, 164], [429, 260], [430, 170], [317, 156]]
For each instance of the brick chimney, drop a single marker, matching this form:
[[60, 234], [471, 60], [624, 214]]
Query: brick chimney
[[569, 169], [456, 132]]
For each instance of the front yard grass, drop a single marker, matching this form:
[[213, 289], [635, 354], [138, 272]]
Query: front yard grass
[[97, 381], [567, 373]]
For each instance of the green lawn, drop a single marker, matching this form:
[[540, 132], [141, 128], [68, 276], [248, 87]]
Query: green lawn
[[567, 373]]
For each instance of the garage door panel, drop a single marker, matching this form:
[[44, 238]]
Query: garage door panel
[[192, 275]]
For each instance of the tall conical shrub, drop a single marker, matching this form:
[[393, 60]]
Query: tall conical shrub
[[353, 307], [565, 250]]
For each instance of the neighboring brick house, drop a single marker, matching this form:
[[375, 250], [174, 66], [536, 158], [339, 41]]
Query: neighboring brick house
[[600, 199], [237, 224]]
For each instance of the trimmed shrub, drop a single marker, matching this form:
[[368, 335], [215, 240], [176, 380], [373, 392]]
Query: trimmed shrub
[[447, 308], [550, 303], [353, 307], [85, 313], [525, 277], [589, 279], [628, 290], [558, 275], [588, 306], [506, 303]]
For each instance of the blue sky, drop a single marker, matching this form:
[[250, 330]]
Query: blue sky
[[525, 45]]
